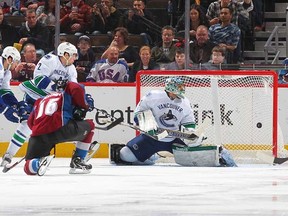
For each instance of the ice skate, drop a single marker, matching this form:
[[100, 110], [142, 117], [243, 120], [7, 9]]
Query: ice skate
[[226, 158], [44, 162], [79, 166], [6, 159]]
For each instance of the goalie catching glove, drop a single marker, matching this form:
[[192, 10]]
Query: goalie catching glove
[[191, 129]]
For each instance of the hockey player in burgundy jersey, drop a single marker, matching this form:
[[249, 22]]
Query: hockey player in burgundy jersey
[[49, 69], [57, 118]]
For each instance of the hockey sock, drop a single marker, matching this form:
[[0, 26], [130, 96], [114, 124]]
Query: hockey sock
[[82, 149], [31, 166], [18, 138]]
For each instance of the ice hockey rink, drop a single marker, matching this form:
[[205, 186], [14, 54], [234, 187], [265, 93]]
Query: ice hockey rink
[[162, 189]]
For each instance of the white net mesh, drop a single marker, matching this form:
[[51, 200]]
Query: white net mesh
[[241, 106]]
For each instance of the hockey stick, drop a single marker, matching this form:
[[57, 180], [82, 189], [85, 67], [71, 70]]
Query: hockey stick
[[113, 122], [94, 146], [8, 167], [280, 160], [271, 159]]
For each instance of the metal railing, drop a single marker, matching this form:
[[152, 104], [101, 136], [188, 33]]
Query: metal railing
[[272, 47]]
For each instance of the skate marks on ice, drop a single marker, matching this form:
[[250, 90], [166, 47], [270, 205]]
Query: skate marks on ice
[[146, 190]]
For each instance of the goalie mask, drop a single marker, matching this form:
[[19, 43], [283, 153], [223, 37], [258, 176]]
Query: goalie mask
[[176, 86]]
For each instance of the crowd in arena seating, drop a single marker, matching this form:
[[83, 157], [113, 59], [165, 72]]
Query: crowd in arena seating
[[218, 30]]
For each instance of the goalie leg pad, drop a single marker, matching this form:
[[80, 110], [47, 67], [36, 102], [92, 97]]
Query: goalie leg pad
[[114, 154], [201, 156]]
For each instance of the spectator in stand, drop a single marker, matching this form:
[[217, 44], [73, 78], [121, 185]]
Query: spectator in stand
[[237, 8], [8, 33], [46, 13], [86, 58], [5, 8], [110, 15], [197, 18], [29, 4], [200, 50], [34, 32], [127, 52], [217, 59], [110, 70], [179, 63], [24, 70], [145, 63], [226, 35], [75, 17], [258, 15], [98, 22], [165, 53], [138, 21]]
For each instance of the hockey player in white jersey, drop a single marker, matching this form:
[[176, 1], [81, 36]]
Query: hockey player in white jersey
[[170, 109], [110, 70], [48, 72], [9, 104]]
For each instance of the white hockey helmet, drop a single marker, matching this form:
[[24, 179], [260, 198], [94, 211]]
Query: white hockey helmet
[[176, 86], [67, 47], [12, 52]]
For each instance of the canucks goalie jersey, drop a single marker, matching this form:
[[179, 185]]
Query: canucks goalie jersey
[[169, 114]]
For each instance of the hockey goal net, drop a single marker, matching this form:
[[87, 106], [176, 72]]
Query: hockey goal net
[[241, 107]]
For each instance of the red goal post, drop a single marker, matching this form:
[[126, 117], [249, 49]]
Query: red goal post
[[241, 106]]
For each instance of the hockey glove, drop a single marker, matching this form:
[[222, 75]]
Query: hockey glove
[[9, 114], [90, 102], [23, 110], [79, 114]]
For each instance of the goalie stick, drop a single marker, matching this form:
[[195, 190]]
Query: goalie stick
[[8, 167], [161, 132]]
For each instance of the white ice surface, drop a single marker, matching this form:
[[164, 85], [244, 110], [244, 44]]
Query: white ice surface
[[163, 189]]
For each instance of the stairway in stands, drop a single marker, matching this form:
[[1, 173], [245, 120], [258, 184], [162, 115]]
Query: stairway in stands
[[271, 19]]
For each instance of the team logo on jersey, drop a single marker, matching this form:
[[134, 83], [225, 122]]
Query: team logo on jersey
[[168, 119], [47, 56]]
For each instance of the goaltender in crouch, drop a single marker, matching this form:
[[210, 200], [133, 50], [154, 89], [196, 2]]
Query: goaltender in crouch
[[167, 109]]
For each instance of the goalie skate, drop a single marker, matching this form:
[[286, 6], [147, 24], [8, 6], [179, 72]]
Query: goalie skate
[[114, 155], [79, 166], [43, 164]]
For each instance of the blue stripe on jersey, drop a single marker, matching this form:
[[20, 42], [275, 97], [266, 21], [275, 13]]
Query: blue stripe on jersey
[[67, 107], [42, 82]]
